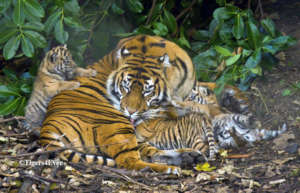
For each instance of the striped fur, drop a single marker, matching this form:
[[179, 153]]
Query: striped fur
[[54, 75], [85, 121]]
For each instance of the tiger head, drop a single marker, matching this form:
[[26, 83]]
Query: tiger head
[[138, 87], [58, 61]]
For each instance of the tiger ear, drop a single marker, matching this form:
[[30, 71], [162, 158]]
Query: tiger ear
[[65, 46], [122, 52], [165, 59]]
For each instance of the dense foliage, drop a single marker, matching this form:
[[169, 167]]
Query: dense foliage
[[229, 45]]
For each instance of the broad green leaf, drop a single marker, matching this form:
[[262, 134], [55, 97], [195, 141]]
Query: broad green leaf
[[184, 42], [238, 27], [71, 22], [60, 34], [198, 46], [256, 70], [286, 92], [52, 20], [72, 6], [222, 14], [269, 26], [25, 88], [4, 5], [282, 42], [225, 33], [223, 51], [170, 21], [11, 75], [27, 47], [35, 8], [6, 91], [160, 29], [11, 47], [135, 6], [116, 9], [202, 35], [20, 107], [270, 49], [10, 106], [253, 60], [221, 2], [246, 52], [7, 34], [36, 38], [18, 13], [34, 25], [233, 59], [253, 35]]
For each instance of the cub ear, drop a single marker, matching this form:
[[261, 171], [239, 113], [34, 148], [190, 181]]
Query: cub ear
[[65, 46], [165, 60], [122, 52]]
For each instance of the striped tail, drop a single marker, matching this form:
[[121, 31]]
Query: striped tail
[[78, 157], [270, 134]]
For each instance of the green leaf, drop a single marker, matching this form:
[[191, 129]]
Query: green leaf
[[11, 47], [36, 38], [10, 74], [34, 8], [4, 5], [6, 91], [60, 34], [256, 70], [25, 88], [222, 14], [254, 59], [286, 92], [253, 35], [160, 29], [71, 22], [223, 51], [221, 2], [269, 26], [233, 59], [10, 106], [246, 52], [72, 6], [170, 21], [135, 6], [269, 49], [238, 27], [18, 13], [7, 34], [52, 20], [20, 107], [225, 33], [27, 47], [34, 25], [116, 9], [201, 35]]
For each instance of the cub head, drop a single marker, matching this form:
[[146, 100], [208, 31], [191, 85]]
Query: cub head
[[58, 61]]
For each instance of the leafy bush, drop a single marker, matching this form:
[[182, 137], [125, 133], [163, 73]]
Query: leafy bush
[[228, 46]]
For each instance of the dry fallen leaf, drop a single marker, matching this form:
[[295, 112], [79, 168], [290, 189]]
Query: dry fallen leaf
[[204, 167]]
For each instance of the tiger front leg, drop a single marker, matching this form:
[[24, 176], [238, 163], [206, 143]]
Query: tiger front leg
[[85, 72], [126, 155], [185, 158]]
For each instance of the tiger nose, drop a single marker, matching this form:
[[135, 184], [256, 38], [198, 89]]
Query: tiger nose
[[131, 110]]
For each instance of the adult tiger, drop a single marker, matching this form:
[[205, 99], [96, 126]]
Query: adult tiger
[[85, 120]]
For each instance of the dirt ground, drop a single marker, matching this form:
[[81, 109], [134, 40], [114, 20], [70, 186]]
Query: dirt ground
[[272, 166]]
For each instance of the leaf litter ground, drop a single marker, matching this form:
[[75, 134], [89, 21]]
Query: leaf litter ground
[[272, 166]]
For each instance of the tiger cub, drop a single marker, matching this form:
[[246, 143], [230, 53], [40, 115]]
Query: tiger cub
[[55, 72], [234, 126]]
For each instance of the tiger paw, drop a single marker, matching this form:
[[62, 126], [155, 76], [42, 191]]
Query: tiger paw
[[74, 85], [92, 73], [235, 101]]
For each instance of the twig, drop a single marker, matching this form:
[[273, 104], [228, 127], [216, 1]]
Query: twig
[[185, 10], [151, 12], [260, 9], [123, 176], [262, 98], [239, 156], [12, 118]]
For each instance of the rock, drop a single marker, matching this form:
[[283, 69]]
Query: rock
[[292, 148]]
